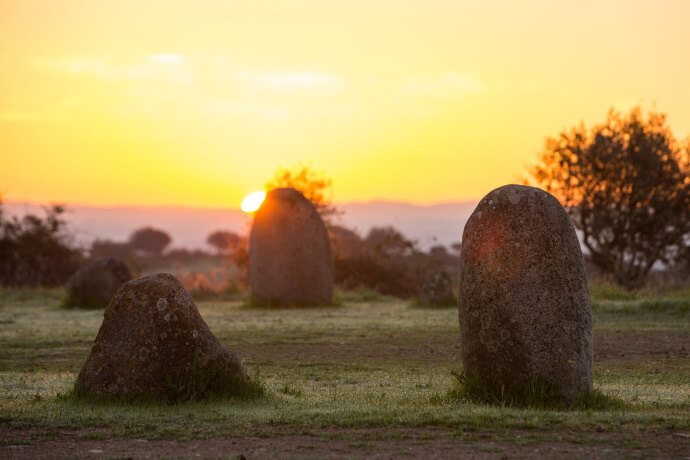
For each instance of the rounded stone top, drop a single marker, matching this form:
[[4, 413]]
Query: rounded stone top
[[524, 307], [149, 293], [513, 194], [286, 194], [159, 281], [117, 267], [282, 202], [290, 259], [94, 284], [526, 216], [153, 343]]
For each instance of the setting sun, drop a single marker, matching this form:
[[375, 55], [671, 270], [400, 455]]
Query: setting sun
[[380, 190], [253, 201], [95, 95]]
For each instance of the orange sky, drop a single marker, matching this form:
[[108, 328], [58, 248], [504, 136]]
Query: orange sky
[[197, 103]]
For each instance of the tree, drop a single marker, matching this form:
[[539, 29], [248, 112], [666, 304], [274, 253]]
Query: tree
[[223, 241], [315, 187], [236, 248], [106, 248], [626, 186], [149, 240]]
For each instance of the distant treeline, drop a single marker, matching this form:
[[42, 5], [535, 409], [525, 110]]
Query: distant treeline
[[625, 184], [40, 251], [383, 260]]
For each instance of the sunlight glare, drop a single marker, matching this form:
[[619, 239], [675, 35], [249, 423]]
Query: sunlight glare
[[253, 201]]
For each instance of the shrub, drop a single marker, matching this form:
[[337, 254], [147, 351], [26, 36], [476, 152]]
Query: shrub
[[37, 251], [386, 261]]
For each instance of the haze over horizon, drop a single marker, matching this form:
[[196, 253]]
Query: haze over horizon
[[439, 224], [232, 206], [196, 104]]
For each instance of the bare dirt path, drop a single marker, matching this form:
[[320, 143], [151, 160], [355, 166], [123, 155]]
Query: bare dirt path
[[425, 443], [642, 346]]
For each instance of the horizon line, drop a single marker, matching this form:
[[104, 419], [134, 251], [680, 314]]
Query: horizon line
[[217, 208]]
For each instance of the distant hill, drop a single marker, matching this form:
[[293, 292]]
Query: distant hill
[[189, 227]]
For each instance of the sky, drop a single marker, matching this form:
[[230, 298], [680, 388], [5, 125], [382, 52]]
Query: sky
[[197, 103]]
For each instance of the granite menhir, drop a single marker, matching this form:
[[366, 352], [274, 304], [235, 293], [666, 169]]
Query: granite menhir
[[524, 307], [290, 261]]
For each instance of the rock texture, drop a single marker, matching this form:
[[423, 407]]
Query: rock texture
[[153, 344], [524, 308], [93, 285], [437, 290], [289, 252]]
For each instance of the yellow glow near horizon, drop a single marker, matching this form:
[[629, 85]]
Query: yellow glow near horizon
[[252, 202], [193, 103]]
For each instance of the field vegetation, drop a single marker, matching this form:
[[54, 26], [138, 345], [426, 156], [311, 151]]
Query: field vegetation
[[372, 375]]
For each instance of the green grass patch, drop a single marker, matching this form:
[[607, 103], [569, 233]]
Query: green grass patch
[[370, 362], [29, 296], [450, 302], [188, 388], [663, 307], [606, 290], [536, 394], [360, 294], [69, 303]]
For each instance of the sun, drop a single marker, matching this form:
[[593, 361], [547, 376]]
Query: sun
[[253, 201]]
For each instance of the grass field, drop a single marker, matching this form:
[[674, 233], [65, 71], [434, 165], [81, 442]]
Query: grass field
[[367, 378]]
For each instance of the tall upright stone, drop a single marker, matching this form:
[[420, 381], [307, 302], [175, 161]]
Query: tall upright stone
[[289, 252], [437, 290], [524, 307]]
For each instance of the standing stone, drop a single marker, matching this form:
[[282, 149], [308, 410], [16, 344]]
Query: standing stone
[[93, 285], [524, 308], [289, 252], [437, 290], [153, 344]]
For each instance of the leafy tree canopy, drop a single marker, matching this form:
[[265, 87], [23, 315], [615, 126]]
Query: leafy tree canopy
[[314, 185], [626, 185], [149, 240], [223, 240]]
